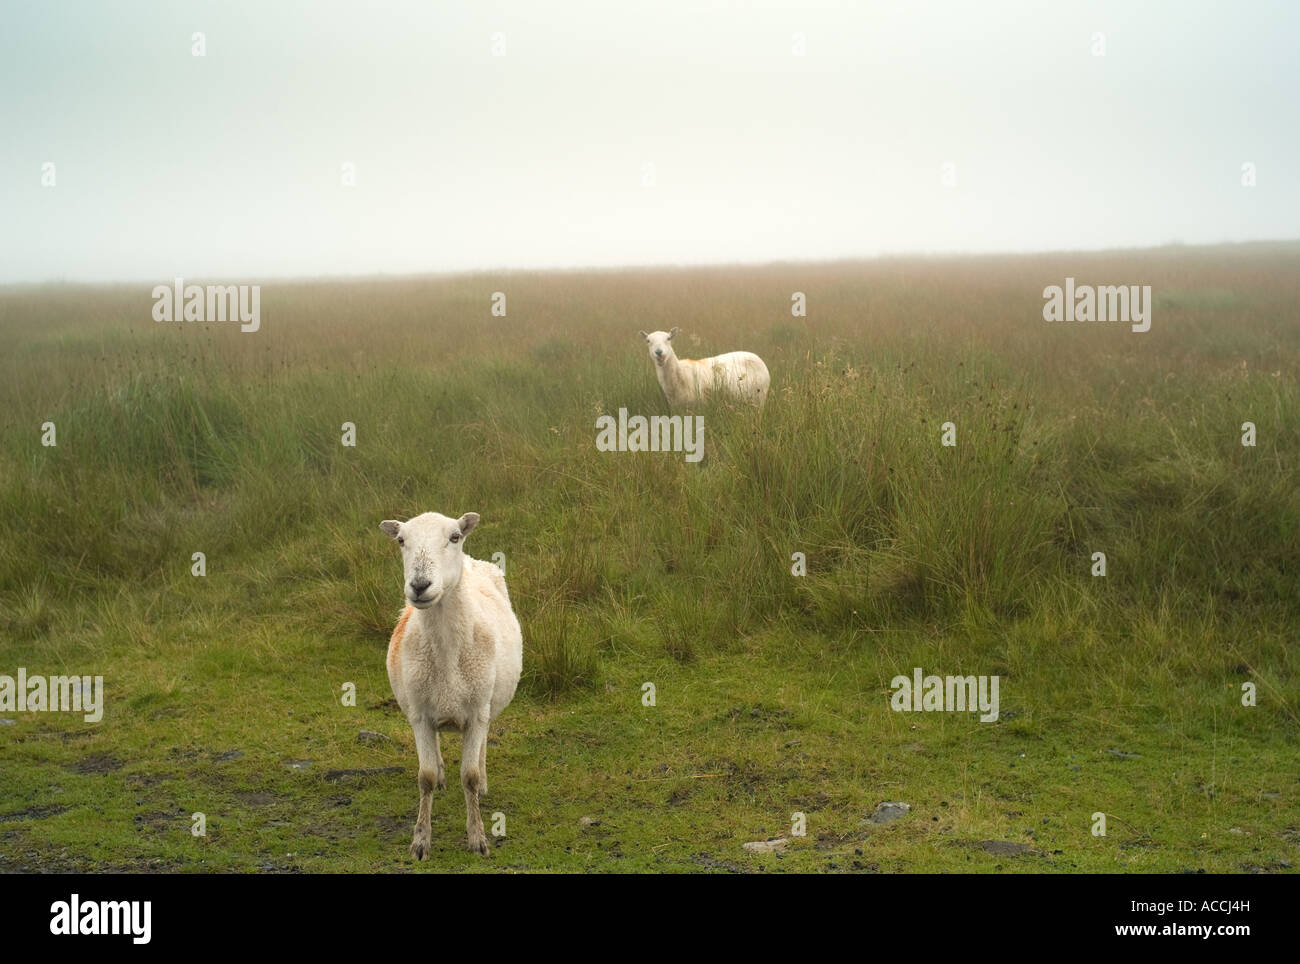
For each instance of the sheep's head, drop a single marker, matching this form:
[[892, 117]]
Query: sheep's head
[[660, 350], [432, 554]]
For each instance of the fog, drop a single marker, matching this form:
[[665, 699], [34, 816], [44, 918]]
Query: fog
[[532, 134]]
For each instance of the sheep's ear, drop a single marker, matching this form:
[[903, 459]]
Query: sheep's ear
[[644, 335], [390, 527], [467, 522], [672, 333]]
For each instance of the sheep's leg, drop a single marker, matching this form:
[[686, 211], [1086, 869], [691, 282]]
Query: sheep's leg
[[471, 779], [441, 782], [482, 767], [431, 775]]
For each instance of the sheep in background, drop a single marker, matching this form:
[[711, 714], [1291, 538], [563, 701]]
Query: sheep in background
[[454, 659], [686, 381]]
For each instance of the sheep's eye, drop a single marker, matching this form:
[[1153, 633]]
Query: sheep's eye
[[401, 541], [455, 537]]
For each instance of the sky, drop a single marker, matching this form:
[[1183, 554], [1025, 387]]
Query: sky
[[535, 134]]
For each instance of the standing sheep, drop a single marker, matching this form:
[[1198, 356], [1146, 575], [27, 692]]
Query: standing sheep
[[454, 659], [686, 381]]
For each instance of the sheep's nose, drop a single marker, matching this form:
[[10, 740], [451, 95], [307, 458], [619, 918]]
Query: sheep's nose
[[418, 586]]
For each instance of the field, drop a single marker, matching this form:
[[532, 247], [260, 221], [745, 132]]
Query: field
[[1120, 694]]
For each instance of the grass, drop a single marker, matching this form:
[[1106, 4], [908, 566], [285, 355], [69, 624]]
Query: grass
[[1119, 695]]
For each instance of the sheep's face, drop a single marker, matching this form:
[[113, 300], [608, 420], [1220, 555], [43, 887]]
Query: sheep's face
[[433, 554], [658, 343]]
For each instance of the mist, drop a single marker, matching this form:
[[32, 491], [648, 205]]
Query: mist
[[333, 139]]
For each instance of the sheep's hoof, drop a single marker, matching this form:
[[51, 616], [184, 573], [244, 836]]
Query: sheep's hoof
[[420, 846], [479, 845]]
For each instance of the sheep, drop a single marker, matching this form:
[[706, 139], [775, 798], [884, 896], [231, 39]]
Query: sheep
[[686, 381], [454, 659]]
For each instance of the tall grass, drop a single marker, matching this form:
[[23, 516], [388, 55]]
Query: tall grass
[[1071, 440]]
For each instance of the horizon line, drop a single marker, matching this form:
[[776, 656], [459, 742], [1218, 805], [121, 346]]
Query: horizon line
[[336, 278]]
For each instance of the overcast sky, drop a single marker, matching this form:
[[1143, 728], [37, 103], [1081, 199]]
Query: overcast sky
[[614, 133]]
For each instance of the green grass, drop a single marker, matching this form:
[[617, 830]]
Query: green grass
[[772, 691]]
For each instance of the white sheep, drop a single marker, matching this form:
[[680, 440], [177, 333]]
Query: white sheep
[[454, 659], [686, 381]]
